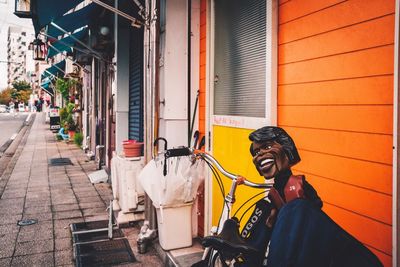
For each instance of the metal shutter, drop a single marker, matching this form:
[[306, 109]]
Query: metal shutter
[[136, 84], [240, 58]]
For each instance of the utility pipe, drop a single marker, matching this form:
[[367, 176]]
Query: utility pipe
[[151, 106], [189, 69], [153, 68]]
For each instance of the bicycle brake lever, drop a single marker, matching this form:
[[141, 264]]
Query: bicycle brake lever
[[202, 142], [196, 136]]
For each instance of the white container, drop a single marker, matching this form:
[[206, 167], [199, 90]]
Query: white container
[[175, 226]]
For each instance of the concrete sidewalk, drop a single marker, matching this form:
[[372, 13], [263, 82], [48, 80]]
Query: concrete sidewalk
[[54, 195]]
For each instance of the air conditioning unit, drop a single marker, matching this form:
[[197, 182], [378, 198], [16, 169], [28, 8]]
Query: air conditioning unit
[[71, 69], [127, 192]]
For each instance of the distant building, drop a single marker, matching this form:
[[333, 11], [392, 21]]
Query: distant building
[[20, 63]]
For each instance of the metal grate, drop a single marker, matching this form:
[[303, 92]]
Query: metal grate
[[103, 259], [60, 162], [95, 236], [83, 226], [103, 253]]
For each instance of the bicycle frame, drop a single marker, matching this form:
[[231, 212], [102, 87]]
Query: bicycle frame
[[236, 180], [230, 197]]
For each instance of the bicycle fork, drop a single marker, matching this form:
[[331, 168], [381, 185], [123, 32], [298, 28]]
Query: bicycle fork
[[226, 213]]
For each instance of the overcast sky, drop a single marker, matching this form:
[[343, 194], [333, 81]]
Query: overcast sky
[[7, 18]]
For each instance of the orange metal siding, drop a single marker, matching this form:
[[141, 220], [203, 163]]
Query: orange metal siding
[[203, 44], [202, 102], [335, 97]]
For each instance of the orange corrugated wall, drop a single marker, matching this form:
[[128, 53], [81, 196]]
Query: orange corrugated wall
[[335, 97], [202, 86], [202, 101]]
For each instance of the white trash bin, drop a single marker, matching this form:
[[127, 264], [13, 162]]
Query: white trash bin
[[175, 226]]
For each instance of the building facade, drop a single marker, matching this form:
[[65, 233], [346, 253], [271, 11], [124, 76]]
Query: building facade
[[20, 64], [326, 71]]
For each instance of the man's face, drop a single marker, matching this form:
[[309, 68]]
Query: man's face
[[269, 158]]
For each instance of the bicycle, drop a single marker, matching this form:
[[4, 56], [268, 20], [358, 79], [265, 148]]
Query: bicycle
[[225, 246]]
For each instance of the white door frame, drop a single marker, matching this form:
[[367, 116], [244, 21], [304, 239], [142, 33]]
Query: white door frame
[[235, 121]]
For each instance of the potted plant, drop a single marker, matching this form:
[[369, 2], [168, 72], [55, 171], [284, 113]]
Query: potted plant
[[64, 85], [78, 138], [70, 126]]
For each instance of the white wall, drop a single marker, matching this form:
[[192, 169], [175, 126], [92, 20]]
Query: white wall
[[86, 90], [121, 89], [173, 75]]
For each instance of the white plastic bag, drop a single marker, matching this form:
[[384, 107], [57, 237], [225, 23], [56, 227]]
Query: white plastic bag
[[149, 178], [178, 186]]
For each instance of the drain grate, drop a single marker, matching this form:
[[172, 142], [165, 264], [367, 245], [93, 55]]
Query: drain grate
[[60, 162], [26, 222], [103, 253], [104, 259]]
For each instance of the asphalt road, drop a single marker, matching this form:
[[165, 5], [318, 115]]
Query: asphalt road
[[10, 124]]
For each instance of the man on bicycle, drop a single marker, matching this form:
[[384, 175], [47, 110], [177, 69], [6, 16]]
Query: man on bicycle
[[292, 229]]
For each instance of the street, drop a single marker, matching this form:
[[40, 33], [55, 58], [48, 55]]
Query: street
[[51, 197], [10, 124]]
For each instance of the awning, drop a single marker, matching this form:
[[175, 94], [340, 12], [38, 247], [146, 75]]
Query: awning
[[46, 87], [46, 11], [54, 70], [73, 21], [65, 44]]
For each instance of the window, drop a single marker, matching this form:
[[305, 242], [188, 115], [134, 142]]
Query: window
[[244, 83], [240, 58]]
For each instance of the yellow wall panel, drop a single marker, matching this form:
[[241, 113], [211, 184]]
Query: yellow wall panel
[[231, 149]]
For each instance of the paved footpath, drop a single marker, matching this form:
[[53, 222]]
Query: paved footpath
[[54, 195]]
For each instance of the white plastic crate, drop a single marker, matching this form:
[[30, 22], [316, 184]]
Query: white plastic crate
[[175, 226]]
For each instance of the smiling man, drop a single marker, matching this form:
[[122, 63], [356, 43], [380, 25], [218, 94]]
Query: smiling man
[[289, 224], [274, 153]]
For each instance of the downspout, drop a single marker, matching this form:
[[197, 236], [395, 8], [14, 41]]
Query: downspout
[[189, 69], [155, 70], [151, 106], [396, 141]]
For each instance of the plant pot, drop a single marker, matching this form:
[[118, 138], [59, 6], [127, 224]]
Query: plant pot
[[132, 148], [71, 134]]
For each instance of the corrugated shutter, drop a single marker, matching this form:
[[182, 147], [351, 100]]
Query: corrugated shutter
[[136, 84], [240, 58]]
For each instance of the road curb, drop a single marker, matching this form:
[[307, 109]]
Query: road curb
[[14, 150], [5, 146]]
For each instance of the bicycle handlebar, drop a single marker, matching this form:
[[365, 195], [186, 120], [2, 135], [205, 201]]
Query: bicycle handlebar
[[185, 151], [230, 175]]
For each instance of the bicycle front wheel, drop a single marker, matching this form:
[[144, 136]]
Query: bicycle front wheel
[[218, 261]]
